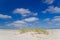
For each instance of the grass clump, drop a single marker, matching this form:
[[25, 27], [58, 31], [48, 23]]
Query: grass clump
[[40, 31], [36, 30]]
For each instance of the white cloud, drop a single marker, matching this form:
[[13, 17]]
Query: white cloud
[[57, 10], [18, 23], [48, 1], [22, 23], [4, 16], [31, 19], [48, 20], [24, 12], [52, 9], [53, 21], [56, 18]]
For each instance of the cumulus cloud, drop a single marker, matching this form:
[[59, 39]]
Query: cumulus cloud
[[31, 19], [48, 1], [53, 21], [56, 19], [24, 12], [22, 23], [52, 9], [17, 24], [4, 16]]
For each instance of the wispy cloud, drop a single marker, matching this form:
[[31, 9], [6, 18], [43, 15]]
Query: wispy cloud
[[52, 9], [53, 21], [18, 23], [48, 1], [4, 16]]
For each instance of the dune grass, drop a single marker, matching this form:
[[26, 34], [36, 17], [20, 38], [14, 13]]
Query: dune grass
[[40, 31], [36, 30]]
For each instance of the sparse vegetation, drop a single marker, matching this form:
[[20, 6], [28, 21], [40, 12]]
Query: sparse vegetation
[[40, 31], [24, 30], [36, 30]]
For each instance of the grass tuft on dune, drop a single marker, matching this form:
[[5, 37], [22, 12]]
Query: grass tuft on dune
[[36, 30]]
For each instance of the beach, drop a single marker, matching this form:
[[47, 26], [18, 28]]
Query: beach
[[54, 34]]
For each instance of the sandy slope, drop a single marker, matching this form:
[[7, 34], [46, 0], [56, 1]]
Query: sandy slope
[[15, 35]]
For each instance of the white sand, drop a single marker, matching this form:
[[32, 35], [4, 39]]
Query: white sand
[[15, 35]]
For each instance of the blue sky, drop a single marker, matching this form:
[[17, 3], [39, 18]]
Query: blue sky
[[29, 13]]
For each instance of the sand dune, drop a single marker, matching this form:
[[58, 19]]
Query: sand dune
[[15, 35]]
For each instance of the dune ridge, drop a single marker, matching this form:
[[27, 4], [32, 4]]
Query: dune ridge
[[15, 35]]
